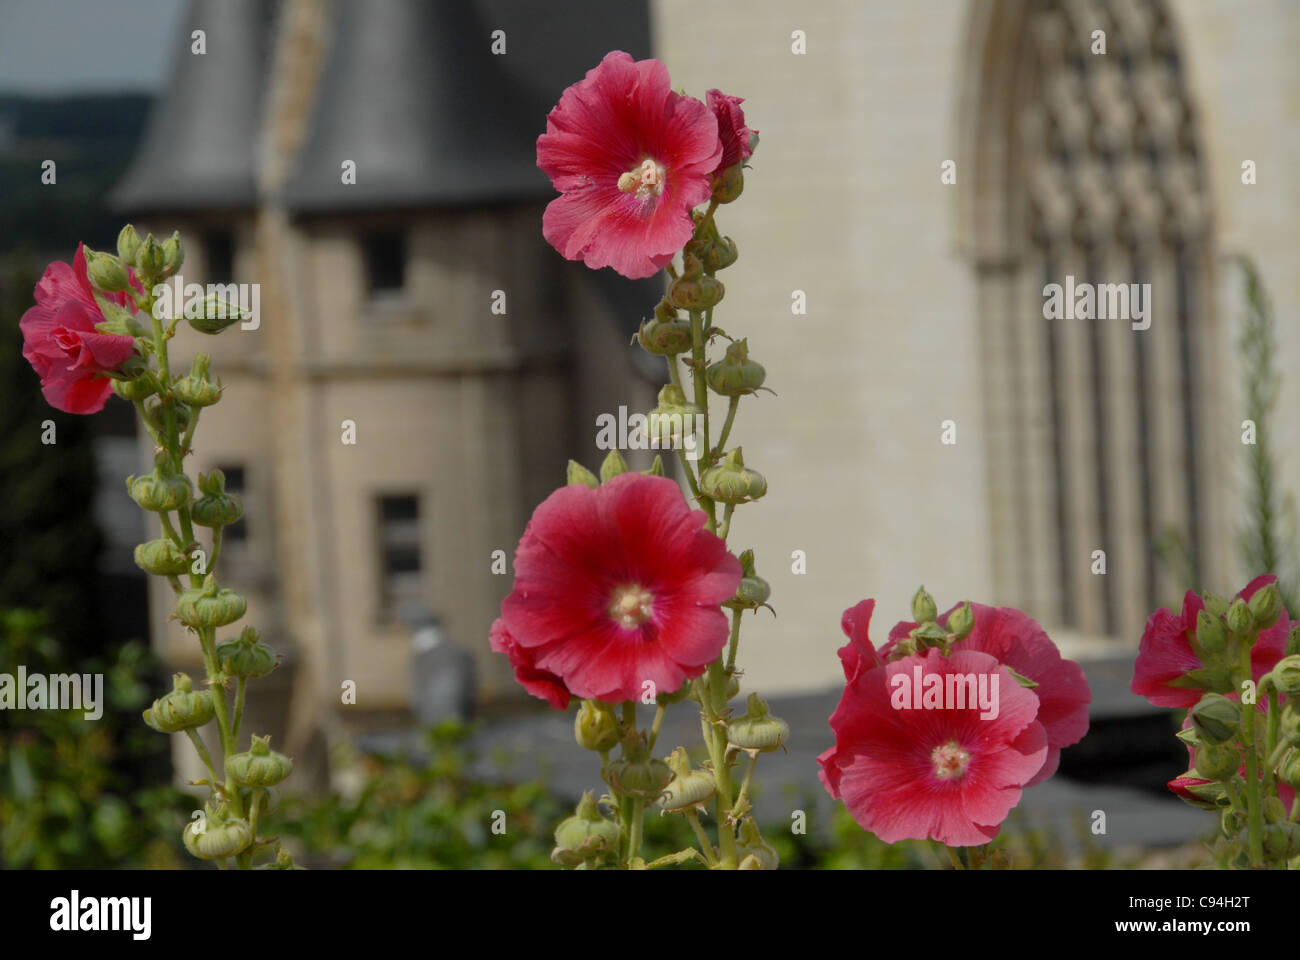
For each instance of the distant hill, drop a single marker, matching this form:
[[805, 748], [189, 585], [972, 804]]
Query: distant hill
[[91, 140]]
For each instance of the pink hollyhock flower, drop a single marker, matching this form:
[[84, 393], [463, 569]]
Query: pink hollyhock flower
[[731, 128], [1166, 654], [631, 159], [1018, 641], [945, 774], [618, 585], [62, 345], [540, 683], [855, 656]]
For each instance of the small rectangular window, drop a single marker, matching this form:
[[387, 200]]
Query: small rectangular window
[[400, 562], [236, 483], [385, 253], [220, 248]]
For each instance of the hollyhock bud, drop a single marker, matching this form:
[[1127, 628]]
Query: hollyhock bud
[[656, 467], [735, 375], [1218, 761], [197, 390], [138, 389], [1286, 676], [106, 272], [696, 294], [182, 709], [1196, 790], [1216, 718], [247, 656], [577, 473], [754, 852], [162, 490], [1282, 840], [1216, 605], [213, 314], [150, 259], [1239, 617], [216, 508], [961, 621], [128, 245], [207, 606], [173, 255], [1290, 728], [161, 557], [612, 466], [729, 184], [216, 835], [595, 727], [1288, 771], [1293, 640], [924, 609], [758, 731], [753, 590], [259, 766], [721, 255], [731, 481], [585, 836], [666, 334], [1210, 635], [636, 773], [1266, 605], [673, 419], [689, 789], [693, 290], [155, 414]]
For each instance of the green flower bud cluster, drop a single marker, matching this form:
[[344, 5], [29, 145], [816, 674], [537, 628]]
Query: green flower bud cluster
[[216, 834], [162, 490], [247, 656], [208, 606], [259, 766], [154, 260], [197, 389], [586, 838], [182, 709], [216, 508]]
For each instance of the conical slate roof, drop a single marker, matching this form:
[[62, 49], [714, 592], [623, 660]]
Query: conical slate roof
[[413, 94], [199, 148]]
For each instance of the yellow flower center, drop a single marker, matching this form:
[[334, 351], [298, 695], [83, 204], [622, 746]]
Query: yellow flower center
[[644, 181], [631, 606], [950, 760]]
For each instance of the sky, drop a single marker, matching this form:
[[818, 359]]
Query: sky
[[81, 46]]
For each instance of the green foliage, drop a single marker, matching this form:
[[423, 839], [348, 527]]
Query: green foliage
[[432, 813], [1268, 543], [67, 795], [426, 814]]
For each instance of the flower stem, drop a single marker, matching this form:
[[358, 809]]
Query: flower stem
[[201, 749], [240, 686], [1270, 738], [744, 784], [732, 407], [734, 642], [1254, 809], [660, 710], [706, 848]]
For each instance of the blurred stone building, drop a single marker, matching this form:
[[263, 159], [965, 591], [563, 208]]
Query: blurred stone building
[[371, 167], [924, 305]]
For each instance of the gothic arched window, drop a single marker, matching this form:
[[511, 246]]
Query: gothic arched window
[[1089, 176]]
